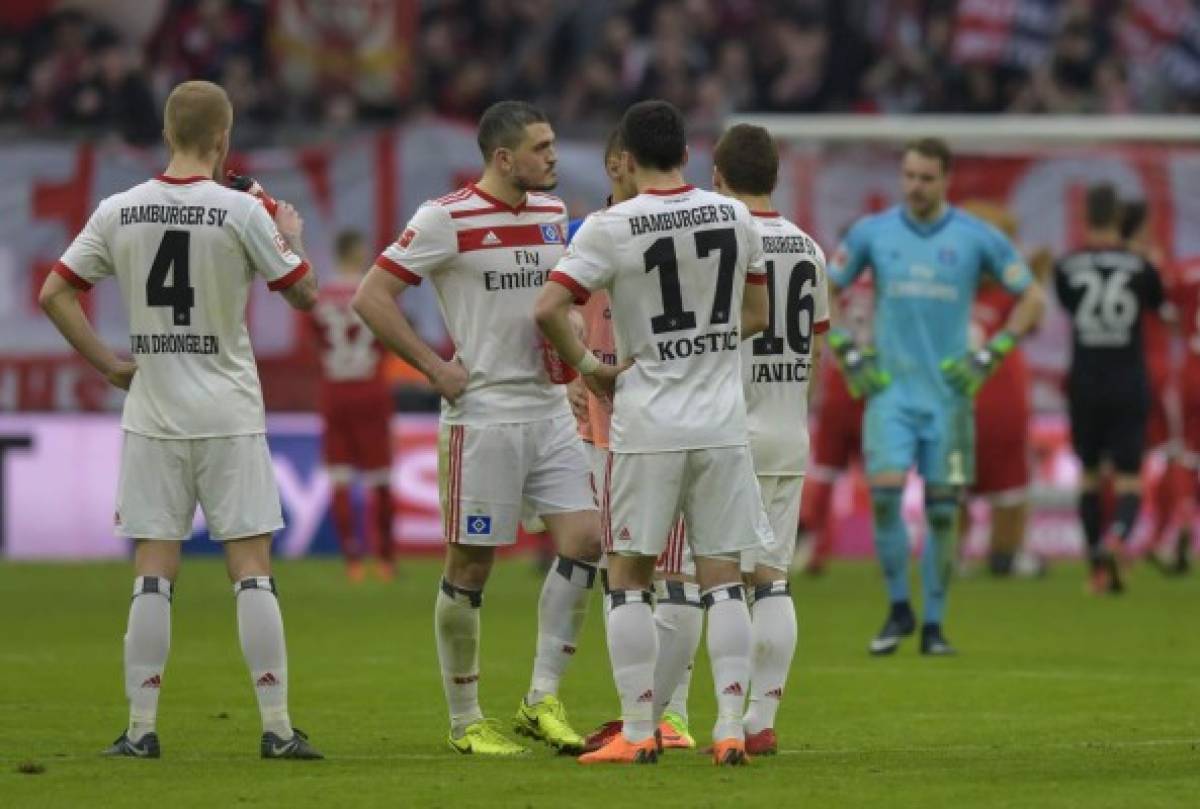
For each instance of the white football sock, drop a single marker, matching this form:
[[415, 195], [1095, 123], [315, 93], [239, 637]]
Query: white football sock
[[147, 642], [456, 625], [632, 647], [561, 612], [679, 697], [729, 631], [774, 619], [679, 620], [260, 627]]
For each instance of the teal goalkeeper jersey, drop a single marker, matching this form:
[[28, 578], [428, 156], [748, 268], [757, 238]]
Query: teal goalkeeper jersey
[[925, 277]]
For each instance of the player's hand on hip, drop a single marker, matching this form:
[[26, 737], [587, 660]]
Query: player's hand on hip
[[121, 375], [603, 381], [450, 380], [289, 222]]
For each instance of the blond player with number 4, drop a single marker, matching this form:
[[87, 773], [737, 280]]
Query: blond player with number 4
[[185, 250]]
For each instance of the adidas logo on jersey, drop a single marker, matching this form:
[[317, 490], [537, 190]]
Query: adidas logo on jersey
[[624, 535], [733, 690], [491, 239], [267, 679], [152, 682], [647, 696]]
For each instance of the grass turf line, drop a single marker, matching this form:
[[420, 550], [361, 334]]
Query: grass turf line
[[1058, 699]]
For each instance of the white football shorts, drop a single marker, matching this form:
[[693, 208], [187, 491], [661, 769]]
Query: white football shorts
[[714, 490], [781, 501], [489, 476], [162, 480]]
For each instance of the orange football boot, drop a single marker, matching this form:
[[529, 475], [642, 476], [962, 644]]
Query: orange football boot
[[620, 750]]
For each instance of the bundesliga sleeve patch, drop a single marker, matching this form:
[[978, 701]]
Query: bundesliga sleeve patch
[[406, 238], [479, 526], [283, 247]]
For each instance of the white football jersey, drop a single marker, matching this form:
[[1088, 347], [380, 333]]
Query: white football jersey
[[185, 252], [777, 364], [675, 264], [488, 261]]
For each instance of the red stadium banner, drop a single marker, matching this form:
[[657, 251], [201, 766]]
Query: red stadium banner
[[372, 182], [363, 48]]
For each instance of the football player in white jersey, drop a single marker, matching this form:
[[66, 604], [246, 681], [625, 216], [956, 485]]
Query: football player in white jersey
[[507, 436], [685, 275], [777, 366], [195, 430]]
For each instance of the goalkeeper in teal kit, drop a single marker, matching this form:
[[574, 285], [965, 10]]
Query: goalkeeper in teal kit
[[927, 258]]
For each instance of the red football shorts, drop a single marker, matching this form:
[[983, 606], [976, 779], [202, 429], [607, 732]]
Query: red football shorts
[[358, 433], [1189, 388], [1158, 426], [1002, 417], [837, 436]]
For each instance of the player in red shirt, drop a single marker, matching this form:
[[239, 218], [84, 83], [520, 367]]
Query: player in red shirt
[[356, 408], [837, 437], [1185, 294], [1002, 417], [1174, 495]]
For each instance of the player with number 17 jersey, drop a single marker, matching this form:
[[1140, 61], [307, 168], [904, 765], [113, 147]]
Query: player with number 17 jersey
[[684, 389]]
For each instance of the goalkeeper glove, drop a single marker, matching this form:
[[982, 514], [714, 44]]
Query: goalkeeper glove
[[859, 366], [967, 373]]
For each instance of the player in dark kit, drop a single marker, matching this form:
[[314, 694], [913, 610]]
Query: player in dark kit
[[1107, 289]]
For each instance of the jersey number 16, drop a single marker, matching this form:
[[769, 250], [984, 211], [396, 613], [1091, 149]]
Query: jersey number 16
[[799, 312]]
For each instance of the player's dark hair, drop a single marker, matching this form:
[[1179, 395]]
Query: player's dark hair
[[934, 148], [748, 160], [502, 125], [346, 242], [652, 131], [1102, 207], [613, 144], [1133, 217]]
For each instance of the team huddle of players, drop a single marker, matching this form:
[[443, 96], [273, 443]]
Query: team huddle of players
[[638, 381]]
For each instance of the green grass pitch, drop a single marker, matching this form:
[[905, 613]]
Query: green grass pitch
[[1057, 699]]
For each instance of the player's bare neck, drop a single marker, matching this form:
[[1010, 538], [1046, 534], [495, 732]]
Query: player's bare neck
[[494, 185], [928, 217], [1102, 238], [760, 205], [654, 180], [185, 165]]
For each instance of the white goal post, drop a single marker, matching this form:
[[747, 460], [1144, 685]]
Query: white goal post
[[976, 130]]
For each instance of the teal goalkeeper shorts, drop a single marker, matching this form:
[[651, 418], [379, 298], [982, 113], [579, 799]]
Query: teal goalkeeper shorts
[[937, 437]]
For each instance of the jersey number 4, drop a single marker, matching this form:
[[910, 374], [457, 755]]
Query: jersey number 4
[[799, 311], [172, 260]]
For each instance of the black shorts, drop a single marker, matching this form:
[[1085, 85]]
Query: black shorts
[[1108, 422]]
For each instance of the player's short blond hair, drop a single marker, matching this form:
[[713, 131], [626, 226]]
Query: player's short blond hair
[[196, 115]]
